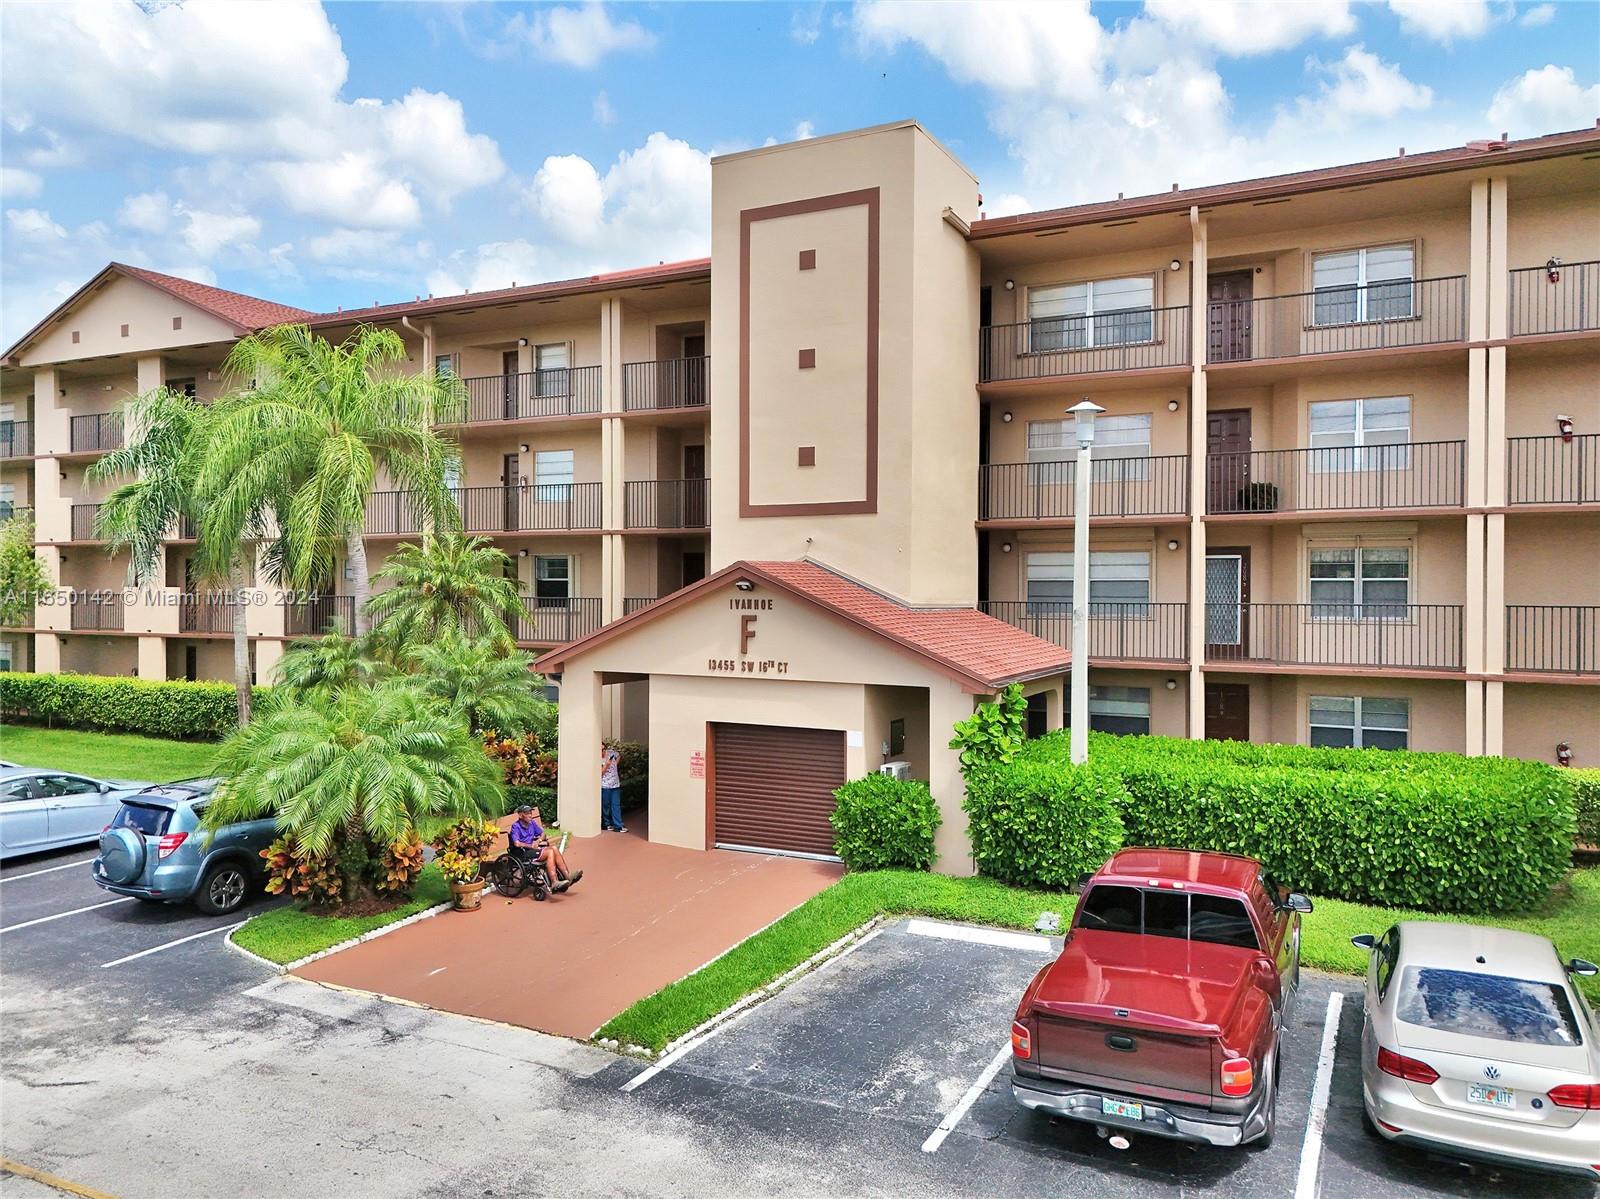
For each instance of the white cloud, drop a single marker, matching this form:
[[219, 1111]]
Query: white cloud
[[148, 212], [1006, 204], [805, 24], [495, 265], [1244, 27], [604, 114], [208, 233], [804, 131], [1443, 20], [1548, 99], [1539, 14], [17, 184], [33, 225], [579, 37], [352, 189], [1361, 85], [426, 136], [569, 197]]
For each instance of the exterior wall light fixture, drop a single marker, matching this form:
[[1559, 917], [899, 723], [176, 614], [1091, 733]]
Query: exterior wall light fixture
[[744, 585], [522, 341], [1175, 264], [1005, 547], [1007, 417], [522, 553], [1172, 684], [1172, 405], [1011, 285], [1173, 544], [523, 447]]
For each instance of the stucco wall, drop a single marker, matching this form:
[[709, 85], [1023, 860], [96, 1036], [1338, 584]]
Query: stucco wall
[[1539, 716]]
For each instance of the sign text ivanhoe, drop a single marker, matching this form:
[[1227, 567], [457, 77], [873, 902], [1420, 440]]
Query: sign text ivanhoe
[[747, 607]]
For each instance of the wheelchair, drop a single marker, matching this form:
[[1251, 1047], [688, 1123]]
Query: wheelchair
[[513, 875]]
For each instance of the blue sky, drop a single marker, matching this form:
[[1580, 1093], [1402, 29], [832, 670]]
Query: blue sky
[[342, 153]]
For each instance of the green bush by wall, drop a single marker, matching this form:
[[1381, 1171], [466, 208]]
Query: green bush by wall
[[1037, 821], [1586, 794], [175, 709], [881, 822]]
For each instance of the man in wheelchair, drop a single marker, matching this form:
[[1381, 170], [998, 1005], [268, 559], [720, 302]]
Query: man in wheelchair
[[527, 842]]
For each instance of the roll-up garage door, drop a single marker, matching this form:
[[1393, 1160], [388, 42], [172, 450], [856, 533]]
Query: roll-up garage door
[[773, 787]]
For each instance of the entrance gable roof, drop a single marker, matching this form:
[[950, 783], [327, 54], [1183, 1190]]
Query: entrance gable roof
[[980, 652]]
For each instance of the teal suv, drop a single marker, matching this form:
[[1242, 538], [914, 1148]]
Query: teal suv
[[154, 849]]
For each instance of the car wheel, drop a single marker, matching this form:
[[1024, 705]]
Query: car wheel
[[223, 889]]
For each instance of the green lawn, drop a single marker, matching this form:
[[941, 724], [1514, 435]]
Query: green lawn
[[1571, 919], [105, 755], [287, 934]]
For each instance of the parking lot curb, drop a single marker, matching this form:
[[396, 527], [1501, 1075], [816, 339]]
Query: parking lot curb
[[373, 934]]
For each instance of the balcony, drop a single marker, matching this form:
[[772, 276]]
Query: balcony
[[319, 614], [1412, 475], [633, 603], [556, 621], [96, 433], [1553, 639], [83, 522], [665, 384], [1396, 315], [1560, 298], [537, 508], [1136, 489], [667, 504], [1553, 470], [16, 438], [205, 612], [1140, 339], [1389, 636], [1118, 632], [562, 391], [96, 611]]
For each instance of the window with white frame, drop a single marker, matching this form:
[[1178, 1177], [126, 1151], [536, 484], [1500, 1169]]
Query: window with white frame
[[7, 655], [1360, 582], [1121, 447], [551, 362], [1360, 721], [552, 580], [1374, 283], [1119, 582], [1368, 434], [552, 475], [1082, 316]]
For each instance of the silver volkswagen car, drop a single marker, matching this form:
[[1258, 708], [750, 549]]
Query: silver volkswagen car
[[1477, 1045]]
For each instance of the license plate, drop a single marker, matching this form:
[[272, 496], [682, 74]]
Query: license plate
[[1491, 1096], [1117, 1107]]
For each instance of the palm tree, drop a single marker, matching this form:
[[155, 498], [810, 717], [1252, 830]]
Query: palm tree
[[447, 584], [484, 685], [162, 467], [318, 424], [328, 664], [353, 770]]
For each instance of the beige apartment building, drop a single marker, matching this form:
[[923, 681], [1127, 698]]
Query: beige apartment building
[[1346, 485]]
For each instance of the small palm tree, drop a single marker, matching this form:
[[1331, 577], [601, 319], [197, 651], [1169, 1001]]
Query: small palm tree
[[328, 664], [351, 771], [447, 584], [316, 425], [483, 684]]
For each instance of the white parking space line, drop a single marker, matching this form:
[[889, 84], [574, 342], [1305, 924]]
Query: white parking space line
[[11, 928], [1316, 1123], [980, 936], [964, 1105], [11, 878], [144, 953]]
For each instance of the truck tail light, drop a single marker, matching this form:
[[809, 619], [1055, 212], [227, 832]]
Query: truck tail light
[[169, 843], [1021, 1040], [1238, 1076], [1577, 1094], [1408, 1068]]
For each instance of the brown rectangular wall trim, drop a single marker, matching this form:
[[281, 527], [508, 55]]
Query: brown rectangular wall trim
[[808, 359], [808, 455], [808, 260]]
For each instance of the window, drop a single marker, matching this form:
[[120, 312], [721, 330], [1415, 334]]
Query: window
[[1081, 316], [552, 475], [1120, 443], [1036, 720], [1364, 583], [1116, 577], [1370, 284], [551, 362], [1360, 722], [1522, 1011], [15, 791], [51, 785], [552, 581], [897, 736], [1386, 953], [1367, 434], [8, 500], [1119, 709], [184, 387], [1154, 912], [7, 655], [444, 365]]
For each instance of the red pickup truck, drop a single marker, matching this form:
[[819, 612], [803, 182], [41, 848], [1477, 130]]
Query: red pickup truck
[[1164, 1012]]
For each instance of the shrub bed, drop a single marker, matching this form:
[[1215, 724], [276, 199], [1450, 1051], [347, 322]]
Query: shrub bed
[[1586, 795], [1434, 831], [1037, 821], [881, 822], [173, 709]]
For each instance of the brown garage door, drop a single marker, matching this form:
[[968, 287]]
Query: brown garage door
[[774, 786]]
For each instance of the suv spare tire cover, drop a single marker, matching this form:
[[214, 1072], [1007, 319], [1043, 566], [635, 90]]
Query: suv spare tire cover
[[121, 855]]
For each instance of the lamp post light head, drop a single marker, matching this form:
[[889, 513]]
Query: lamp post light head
[[1083, 414]]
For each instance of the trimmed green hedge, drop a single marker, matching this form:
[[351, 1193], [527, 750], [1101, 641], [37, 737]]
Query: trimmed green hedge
[[1435, 831], [543, 798], [179, 710], [881, 822], [1586, 794], [1037, 821]]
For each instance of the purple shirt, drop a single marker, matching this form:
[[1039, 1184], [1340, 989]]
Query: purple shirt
[[528, 834]]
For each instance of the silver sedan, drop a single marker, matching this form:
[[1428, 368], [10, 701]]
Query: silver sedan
[[47, 809], [1476, 1044]]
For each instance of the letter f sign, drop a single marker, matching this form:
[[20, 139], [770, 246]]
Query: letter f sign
[[747, 632]]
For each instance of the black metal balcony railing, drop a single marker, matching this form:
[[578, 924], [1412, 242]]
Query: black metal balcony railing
[[1128, 632], [1132, 340], [16, 438], [548, 507], [1117, 487], [1555, 298], [96, 431], [1419, 474], [320, 614], [1339, 320], [204, 612], [667, 504], [559, 391], [1553, 638], [94, 611], [665, 383], [556, 621], [1553, 470], [83, 519], [1398, 636], [633, 603]]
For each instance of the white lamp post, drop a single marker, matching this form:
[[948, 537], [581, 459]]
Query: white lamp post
[[1083, 415]]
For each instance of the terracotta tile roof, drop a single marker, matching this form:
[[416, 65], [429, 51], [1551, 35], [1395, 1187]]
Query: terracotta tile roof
[[242, 311], [980, 651]]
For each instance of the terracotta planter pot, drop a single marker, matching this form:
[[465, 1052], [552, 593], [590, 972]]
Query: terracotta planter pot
[[468, 896]]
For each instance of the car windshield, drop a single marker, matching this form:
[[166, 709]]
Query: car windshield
[[1215, 919], [142, 818], [1486, 1005]]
